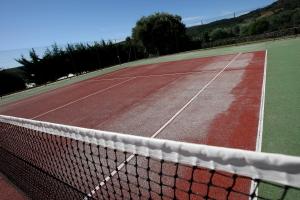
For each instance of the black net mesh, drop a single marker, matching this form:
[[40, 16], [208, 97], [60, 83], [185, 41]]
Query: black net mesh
[[47, 166]]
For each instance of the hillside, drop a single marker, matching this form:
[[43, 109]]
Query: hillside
[[280, 14]]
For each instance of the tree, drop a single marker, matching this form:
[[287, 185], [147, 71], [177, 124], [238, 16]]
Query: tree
[[258, 27], [282, 20], [218, 33], [160, 33], [289, 4], [205, 36], [296, 17], [32, 66], [10, 82], [244, 29], [236, 30]]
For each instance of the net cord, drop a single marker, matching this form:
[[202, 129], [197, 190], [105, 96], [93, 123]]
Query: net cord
[[276, 168]]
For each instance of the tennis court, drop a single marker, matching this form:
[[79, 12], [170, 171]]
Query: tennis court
[[40, 146], [212, 100]]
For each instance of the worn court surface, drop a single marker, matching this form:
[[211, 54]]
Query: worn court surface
[[212, 100]]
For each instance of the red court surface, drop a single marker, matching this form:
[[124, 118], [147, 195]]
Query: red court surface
[[142, 100], [213, 100]]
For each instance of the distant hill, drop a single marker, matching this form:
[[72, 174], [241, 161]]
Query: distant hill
[[275, 10]]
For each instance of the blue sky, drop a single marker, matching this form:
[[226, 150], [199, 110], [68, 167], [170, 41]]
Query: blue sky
[[39, 23]]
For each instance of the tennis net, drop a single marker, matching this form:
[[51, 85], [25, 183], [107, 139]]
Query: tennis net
[[52, 161]]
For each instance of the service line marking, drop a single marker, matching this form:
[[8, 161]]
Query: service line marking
[[154, 75], [162, 127]]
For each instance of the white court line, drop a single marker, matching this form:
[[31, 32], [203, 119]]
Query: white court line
[[82, 98], [154, 75], [262, 107], [163, 127], [65, 86], [260, 120]]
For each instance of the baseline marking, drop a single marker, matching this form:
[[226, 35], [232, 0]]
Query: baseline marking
[[82, 98], [161, 128]]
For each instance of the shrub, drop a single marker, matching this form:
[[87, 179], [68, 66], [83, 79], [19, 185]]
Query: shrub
[[218, 33], [259, 27], [10, 82]]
